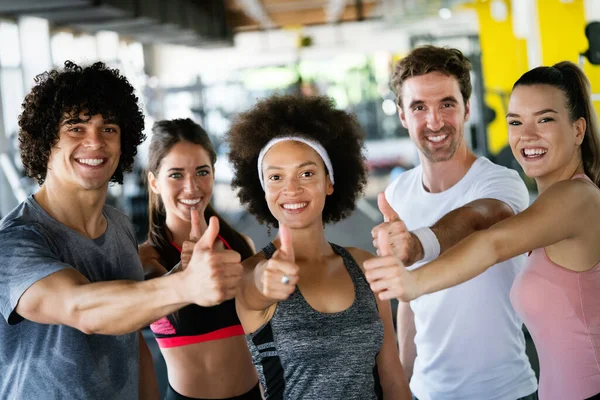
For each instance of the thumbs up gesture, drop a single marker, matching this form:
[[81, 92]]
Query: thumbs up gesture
[[277, 277], [187, 248], [387, 275], [403, 244], [212, 276]]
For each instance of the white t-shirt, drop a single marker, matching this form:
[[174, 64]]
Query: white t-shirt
[[469, 339]]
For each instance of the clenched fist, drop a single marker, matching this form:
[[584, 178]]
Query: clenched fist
[[403, 244], [212, 276], [277, 277], [388, 276]]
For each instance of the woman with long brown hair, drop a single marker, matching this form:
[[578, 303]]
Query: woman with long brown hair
[[204, 347], [553, 133]]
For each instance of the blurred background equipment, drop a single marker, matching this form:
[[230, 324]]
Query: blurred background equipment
[[211, 59]]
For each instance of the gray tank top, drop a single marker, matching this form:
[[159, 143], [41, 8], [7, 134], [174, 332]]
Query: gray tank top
[[302, 353]]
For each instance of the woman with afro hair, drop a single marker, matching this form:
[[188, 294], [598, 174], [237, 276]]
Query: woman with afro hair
[[315, 329]]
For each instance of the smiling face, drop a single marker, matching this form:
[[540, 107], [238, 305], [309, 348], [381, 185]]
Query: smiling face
[[86, 154], [296, 184], [184, 181], [541, 134], [434, 113]]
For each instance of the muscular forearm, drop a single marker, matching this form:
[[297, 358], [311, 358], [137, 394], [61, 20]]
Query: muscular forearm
[[398, 389], [473, 217], [119, 307], [461, 263]]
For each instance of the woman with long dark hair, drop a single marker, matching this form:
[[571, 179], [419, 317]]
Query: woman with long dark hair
[[204, 347], [553, 133]]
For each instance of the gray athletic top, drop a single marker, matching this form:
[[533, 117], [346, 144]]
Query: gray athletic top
[[57, 362], [302, 353]]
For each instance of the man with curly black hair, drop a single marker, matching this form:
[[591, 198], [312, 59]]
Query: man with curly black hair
[[315, 329], [72, 288]]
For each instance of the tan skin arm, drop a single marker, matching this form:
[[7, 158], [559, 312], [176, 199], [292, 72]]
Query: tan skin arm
[[111, 308], [391, 373], [117, 307], [250, 242], [405, 326], [566, 211], [262, 287], [449, 230], [148, 382], [253, 308]]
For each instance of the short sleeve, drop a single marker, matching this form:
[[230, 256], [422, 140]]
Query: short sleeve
[[26, 257], [502, 184]]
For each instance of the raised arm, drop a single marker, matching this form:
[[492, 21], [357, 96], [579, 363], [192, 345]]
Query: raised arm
[[263, 284], [449, 230], [118, 307], [564, 211], [406, 332]]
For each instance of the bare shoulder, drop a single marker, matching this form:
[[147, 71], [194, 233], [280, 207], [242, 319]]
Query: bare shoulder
[[147, 252], [359, 255], [253, 261], [574, 191], [249, 241]]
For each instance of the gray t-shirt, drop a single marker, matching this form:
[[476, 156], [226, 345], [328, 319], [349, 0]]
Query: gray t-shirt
[[39, 361]]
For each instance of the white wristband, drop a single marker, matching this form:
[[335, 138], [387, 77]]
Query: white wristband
[[430, 243]]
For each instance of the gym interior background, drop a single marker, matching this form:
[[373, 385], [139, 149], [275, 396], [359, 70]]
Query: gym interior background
[[210, 59]]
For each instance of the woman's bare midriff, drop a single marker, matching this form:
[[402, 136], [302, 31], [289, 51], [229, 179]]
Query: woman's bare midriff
[[211, 370]]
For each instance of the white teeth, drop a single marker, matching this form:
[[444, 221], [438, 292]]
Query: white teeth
[[91, 161], [189, 202], [438, 138], [294, 206], [534, 152]]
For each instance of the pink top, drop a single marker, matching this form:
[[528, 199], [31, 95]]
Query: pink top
[[561, 309]]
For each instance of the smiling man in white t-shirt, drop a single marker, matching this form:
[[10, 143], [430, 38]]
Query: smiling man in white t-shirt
[[464, 342]]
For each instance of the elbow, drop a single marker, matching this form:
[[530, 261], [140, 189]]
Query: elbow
[[497, 249], [83, 321]]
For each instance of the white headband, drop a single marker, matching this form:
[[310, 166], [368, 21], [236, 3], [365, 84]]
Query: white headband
[[316, 146]]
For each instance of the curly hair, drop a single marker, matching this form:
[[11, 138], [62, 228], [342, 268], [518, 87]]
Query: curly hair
[[93, 90], [426, 59], [314, 118]]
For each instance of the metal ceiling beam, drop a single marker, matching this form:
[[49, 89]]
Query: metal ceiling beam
[[255, 10], [173, 21], [334, 10]]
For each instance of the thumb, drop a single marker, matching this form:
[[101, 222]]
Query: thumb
[[383, 241], [195, 232], [286, 248], [210, 235], [384, 207]]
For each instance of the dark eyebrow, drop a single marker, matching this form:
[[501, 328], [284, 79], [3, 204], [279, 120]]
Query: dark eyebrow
[[73, 121], [304, 164], [77, 120], [181, 169], [449, 98], [415, 103], [544, 111], [444, 100]]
